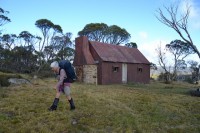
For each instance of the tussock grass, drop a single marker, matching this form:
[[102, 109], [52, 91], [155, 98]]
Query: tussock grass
[[138, 108]]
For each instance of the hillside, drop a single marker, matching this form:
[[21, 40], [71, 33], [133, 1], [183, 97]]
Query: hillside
[[151, 108]]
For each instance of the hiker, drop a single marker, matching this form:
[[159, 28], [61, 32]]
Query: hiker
[[63, 84]]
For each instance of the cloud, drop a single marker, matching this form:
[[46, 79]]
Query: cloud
[[143, 35], [148, 49]]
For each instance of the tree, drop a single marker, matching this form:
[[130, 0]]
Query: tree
[[116, 35], [101, 32], [60, 47], [131, 45], [26, 38], [49, 31], [153, 68], [8, 40], [178, 24], [163, 63], [194, 66], [94, 31], [3, 18], [180, 50], [46, 26], [25, 60]]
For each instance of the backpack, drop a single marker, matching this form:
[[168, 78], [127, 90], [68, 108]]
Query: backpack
[[69, 69]]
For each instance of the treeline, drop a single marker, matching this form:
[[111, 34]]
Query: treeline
[[28, 53]]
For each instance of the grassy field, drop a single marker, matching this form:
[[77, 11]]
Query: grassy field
[[134, 108]]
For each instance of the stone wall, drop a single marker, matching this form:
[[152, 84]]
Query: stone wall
[[90, 74], [79, 73]]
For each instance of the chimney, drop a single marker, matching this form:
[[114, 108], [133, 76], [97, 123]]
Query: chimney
[[82, 52]]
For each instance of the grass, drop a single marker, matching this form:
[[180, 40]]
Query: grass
[[134, 108]]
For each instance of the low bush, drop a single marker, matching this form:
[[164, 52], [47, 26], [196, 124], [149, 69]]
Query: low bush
[[44, 74], [4, 78]]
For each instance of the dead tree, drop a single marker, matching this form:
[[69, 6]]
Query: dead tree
[[163, 63], [177, 22]]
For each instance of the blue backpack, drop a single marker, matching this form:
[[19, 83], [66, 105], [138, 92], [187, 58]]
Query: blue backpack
[[69, 69]]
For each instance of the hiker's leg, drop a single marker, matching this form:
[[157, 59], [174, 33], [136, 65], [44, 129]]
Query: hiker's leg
[[55, 102], [58, 94], [69, 98]]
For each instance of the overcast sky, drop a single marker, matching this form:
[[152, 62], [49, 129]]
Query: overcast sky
[[136, 16]]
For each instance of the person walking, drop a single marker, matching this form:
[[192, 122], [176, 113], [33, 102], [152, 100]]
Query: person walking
[[62, 86]]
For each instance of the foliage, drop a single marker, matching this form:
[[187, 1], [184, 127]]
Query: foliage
[[103, 33], [131, 45], [8, 40], [3, 18], [141, 108], [27, 53], [180, 50], [166, 77], [194, 66], [25, 60]]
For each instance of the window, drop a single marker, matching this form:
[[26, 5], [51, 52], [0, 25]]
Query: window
[[140, 69], [115, 68]]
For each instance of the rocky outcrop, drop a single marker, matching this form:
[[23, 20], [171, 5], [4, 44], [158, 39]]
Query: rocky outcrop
[[17, 81]]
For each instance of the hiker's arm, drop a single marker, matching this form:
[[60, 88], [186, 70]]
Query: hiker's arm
[[62, 76]]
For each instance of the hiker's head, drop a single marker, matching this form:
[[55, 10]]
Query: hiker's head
[[55, 67]]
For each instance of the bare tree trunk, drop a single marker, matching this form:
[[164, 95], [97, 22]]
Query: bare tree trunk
[[180, 25], [163, 64]]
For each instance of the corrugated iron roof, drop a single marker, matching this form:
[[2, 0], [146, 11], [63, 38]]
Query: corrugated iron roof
[[114, 53]]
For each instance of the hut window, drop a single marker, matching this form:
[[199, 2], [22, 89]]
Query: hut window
[[140, 69], [115, 68]]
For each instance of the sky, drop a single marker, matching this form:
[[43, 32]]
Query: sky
[[138, 17]]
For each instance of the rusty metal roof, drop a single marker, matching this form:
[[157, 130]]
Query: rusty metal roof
[[114, 53]]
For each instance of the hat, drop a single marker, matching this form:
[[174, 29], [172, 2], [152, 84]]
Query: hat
[[54, 64]]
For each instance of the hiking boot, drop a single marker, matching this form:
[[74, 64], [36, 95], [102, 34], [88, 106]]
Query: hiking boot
[[54, 105], [52, 108], [72, 106]]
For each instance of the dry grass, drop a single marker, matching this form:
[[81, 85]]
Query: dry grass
[[152, 108]]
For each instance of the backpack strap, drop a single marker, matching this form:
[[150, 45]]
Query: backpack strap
[[59, 71]]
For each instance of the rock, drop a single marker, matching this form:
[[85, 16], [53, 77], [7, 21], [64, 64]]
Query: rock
[[18, 81], [35, 77], [74, 121]]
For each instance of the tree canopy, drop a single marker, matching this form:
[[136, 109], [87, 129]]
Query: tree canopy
[[103, 33], [131, 45], [3, 18]]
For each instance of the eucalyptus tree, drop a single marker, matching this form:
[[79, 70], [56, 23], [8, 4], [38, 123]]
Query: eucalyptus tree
[[180, 50], [101, 32], [8, 41], [195, 67], [3, 17], [49, 30], [117, 35], [131, 45], [27, 39], [60, 48]]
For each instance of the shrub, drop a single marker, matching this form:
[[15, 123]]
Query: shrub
[[44, 74], [4, 79]]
